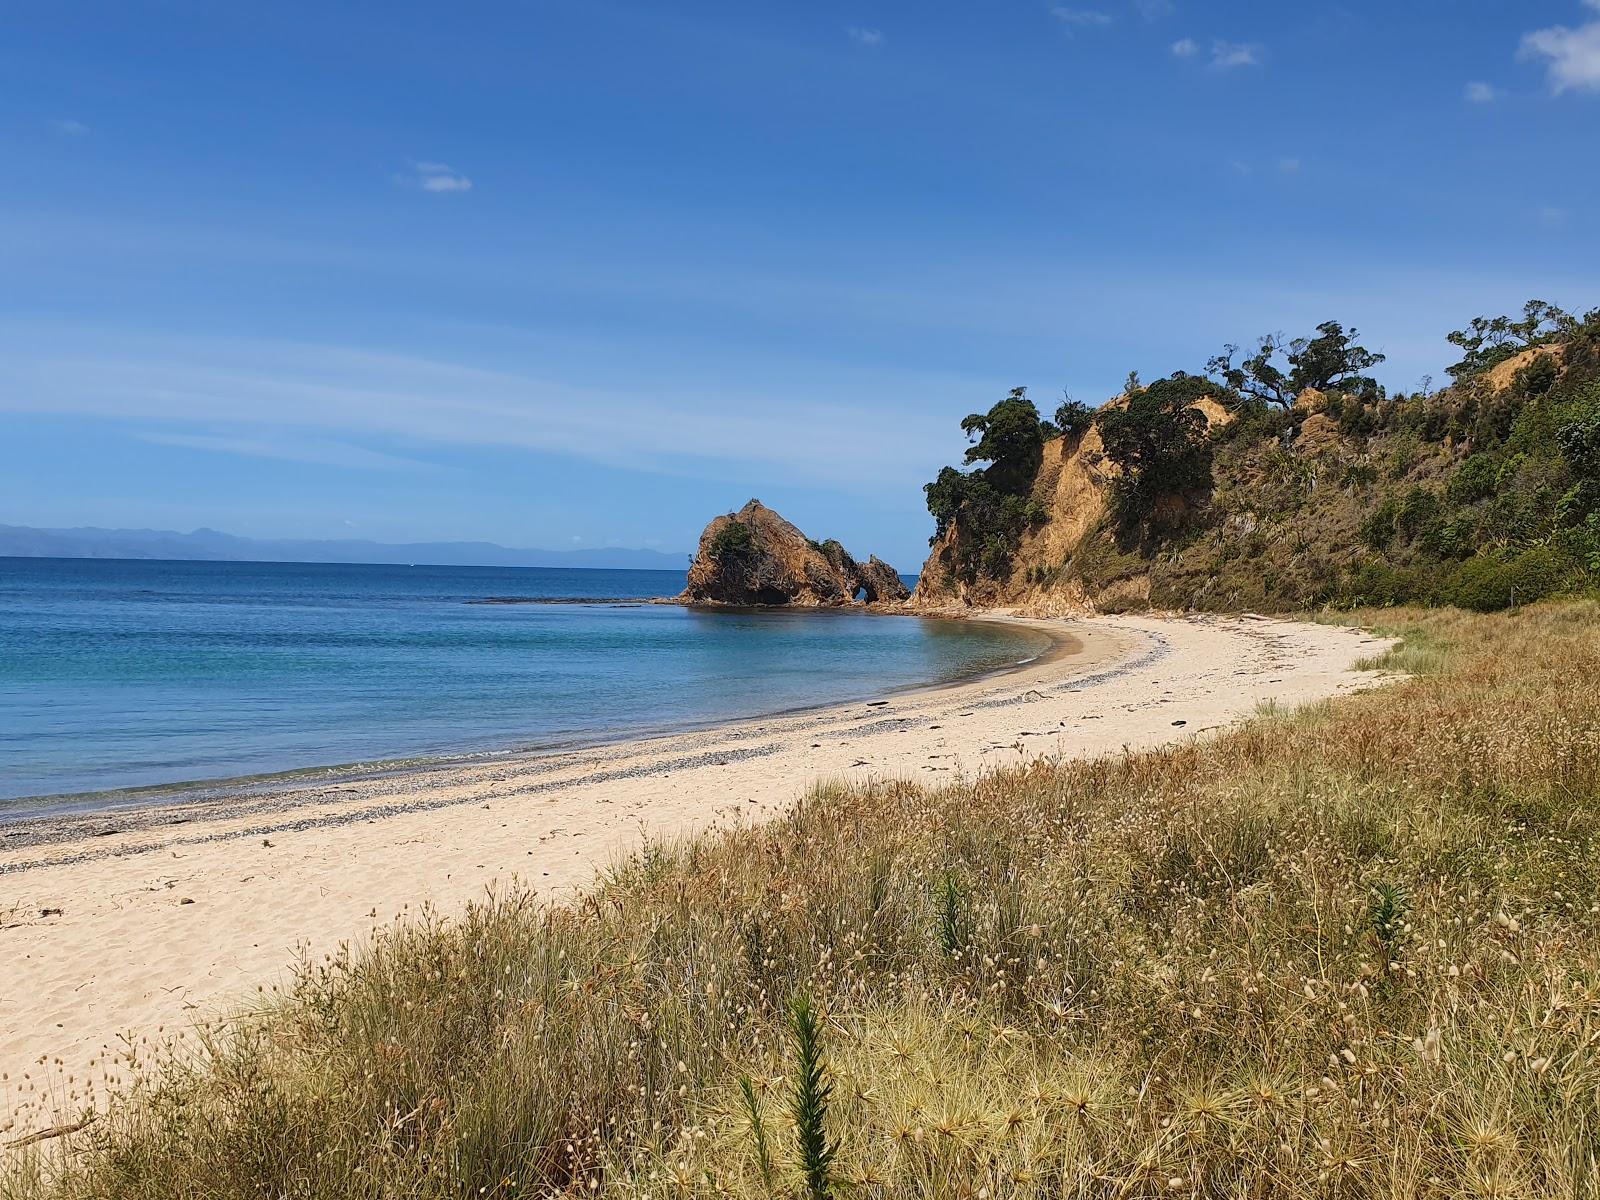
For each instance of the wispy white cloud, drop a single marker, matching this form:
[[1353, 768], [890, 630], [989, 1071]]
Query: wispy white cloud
[[70, 127], [1552, 217], [1480, 93], [1155, 10], [345, 406], [313, 450], [1225, 55], [1571, 57], [865, 37], [1289, 166], [436, 177], [1081, 18]]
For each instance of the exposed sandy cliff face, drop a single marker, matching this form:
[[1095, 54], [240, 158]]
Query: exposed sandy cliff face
[[755, 557], [1071, 486]]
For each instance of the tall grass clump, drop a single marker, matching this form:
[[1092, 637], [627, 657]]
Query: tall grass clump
[[1352, 952]]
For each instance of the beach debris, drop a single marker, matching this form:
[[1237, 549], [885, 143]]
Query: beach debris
[[49, 912], [1180, 722], [266, 842], [876, 703]]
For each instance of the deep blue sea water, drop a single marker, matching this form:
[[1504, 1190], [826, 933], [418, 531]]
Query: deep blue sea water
[[119, 674]]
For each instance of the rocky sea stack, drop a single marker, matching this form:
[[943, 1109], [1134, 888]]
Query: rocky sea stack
[[755, 557]]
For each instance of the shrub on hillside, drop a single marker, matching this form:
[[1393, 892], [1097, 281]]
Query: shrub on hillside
[[1489, 341], [1074, 418], [1487, 583], [1160, 442], [990, 507], [734, 540]]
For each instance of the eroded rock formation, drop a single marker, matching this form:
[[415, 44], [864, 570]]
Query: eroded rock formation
[[880, 582], [755, 557]]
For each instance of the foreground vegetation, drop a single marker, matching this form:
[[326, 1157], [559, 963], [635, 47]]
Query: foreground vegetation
[[1351, 952]]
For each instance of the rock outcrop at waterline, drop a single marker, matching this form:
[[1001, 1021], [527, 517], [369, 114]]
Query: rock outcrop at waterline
[[880, 581], [755, 557]]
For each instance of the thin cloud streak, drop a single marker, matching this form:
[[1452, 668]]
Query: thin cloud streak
[[287, 400], [315, 452], [1081, 18], [1227, 56], [437, 177]]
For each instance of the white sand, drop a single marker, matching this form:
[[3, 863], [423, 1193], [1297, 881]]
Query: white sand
[[165, 924]]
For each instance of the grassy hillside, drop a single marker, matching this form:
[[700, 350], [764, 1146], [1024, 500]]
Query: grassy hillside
[[1483, 494], [1353, 952]]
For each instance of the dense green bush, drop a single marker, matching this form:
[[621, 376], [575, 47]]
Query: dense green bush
[[1476, 479], [991, 507], [1160, 442], [1487, 583], [1074, 418], [733, 541], [1010, 438]]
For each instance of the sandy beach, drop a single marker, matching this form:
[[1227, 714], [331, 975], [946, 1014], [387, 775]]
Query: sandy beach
[[121, 929]]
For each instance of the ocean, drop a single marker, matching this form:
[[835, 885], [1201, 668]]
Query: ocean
[[119, 674]]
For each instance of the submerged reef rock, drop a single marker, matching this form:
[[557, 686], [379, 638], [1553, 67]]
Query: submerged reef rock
[[755, 557]]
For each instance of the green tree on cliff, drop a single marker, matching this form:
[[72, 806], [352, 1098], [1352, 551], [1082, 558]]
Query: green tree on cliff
[[1160, 442], [990, 507], [1331, 361], [1009, 437], [1491, 340]]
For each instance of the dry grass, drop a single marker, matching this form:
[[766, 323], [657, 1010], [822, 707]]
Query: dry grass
[[1349, 952]]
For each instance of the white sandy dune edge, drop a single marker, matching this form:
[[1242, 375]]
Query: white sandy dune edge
[[182, 913]]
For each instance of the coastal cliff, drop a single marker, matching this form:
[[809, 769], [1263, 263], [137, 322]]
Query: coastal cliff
[[755, 557], [1259, 488], [1071, 490]]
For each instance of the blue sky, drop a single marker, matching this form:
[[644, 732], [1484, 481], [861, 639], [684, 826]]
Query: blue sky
[[585, 272]]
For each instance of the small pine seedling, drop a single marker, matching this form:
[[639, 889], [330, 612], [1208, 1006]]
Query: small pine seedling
[[810, 1091], [950, 902], [1387, 910], [758, 1132]]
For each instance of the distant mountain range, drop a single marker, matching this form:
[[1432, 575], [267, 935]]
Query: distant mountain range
[[207, 544]]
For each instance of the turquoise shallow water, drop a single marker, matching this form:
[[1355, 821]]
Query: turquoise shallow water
[[120, 674]]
